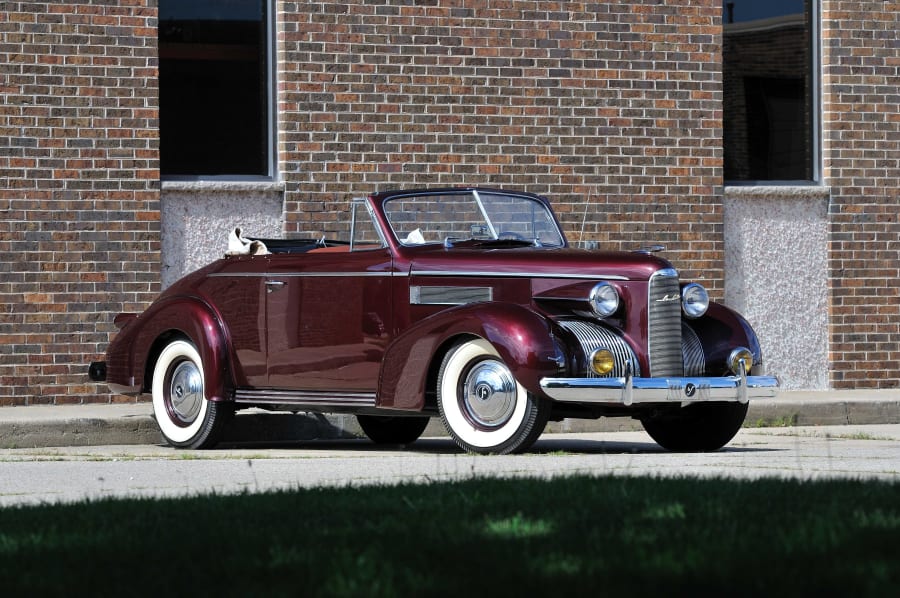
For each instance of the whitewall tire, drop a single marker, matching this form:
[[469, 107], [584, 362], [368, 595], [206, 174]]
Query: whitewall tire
[[184, 415], [482, 405]]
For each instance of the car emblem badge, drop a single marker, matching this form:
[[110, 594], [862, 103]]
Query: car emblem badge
[[664, 298], [689, 389], [483, 392]]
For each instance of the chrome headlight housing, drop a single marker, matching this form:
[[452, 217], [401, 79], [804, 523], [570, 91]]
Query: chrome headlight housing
[[694, 300], [604, 299]]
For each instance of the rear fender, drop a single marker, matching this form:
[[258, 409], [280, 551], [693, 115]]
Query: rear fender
[[144, 337], [521, 336]]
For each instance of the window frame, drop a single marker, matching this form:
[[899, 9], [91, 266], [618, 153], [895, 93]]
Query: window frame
[[271, 144], [816, 108]]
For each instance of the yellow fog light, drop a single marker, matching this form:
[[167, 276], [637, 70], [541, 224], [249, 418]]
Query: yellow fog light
[[602, 361], [734, 360]]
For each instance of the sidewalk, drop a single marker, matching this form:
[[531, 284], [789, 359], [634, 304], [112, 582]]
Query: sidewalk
[[85, 425]]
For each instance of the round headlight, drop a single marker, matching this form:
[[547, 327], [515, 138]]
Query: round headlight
[[737, 356], [604, 299], [694, 300], [602, 361]]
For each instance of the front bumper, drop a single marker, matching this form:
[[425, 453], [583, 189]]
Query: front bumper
[[629, 390]]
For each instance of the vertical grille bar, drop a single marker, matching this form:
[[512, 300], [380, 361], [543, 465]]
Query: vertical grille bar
[[694, 358], [664, 324]]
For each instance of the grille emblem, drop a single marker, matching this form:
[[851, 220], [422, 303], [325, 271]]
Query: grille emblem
[[689, 389], [664, 298]]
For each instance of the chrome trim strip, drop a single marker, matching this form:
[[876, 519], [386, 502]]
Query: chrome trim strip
[[470, 273], [305, 397], [456, 273], [304, 274], [683, 390]]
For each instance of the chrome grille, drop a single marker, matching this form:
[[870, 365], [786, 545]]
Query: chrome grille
[[592, 337], [664, 324], [692, 350]]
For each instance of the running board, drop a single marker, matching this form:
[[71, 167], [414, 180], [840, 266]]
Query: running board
[[300, 398]]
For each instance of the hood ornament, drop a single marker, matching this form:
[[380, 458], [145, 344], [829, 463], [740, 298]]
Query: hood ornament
[[651, 249]]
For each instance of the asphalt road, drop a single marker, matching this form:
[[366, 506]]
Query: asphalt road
[[33, 476]]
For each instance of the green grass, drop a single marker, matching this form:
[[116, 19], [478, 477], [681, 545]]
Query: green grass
[[860, 436], [570, 536], [784, 421]]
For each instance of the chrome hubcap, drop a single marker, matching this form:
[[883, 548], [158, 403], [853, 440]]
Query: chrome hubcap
[[489, 394], [186, 391]]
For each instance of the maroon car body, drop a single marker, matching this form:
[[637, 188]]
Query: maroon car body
[[466, 304]]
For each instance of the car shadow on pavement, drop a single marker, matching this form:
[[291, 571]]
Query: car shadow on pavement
[[445, 446], [313, 432]]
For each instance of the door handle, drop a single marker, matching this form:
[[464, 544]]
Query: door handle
[[274, 285]]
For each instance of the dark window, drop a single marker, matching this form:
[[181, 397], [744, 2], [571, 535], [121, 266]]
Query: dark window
[[768, 82], [213, 87]]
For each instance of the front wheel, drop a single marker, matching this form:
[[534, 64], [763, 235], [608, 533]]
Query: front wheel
[[699, 427], [392, 429], [184, 415], [482, 405]]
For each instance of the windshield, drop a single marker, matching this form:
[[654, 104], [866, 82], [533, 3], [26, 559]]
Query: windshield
[[451, 217]]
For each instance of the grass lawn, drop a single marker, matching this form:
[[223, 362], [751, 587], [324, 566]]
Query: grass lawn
[[571, 536]]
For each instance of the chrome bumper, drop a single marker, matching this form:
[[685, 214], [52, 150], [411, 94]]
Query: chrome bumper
[[630, 390]]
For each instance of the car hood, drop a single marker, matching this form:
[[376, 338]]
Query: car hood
[[545, 263]]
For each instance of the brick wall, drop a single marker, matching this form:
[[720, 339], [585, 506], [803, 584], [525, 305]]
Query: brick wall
[[861, 146], [79, 202], [611, 109]]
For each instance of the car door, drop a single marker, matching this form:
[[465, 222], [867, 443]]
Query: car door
[[238, 292], [329, 319]]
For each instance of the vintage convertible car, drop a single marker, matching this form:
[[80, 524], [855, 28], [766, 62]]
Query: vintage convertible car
[[463, 303]]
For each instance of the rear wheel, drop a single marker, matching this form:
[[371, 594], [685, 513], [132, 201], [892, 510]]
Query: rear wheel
[[184, 415], [482, 405], [698, 427], [391, 429]]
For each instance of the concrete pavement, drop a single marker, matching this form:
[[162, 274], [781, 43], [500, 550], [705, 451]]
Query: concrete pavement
[[132, 423]]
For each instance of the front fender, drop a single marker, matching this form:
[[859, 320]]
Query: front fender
[[521, 336], [720, 331], [131, 355]]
